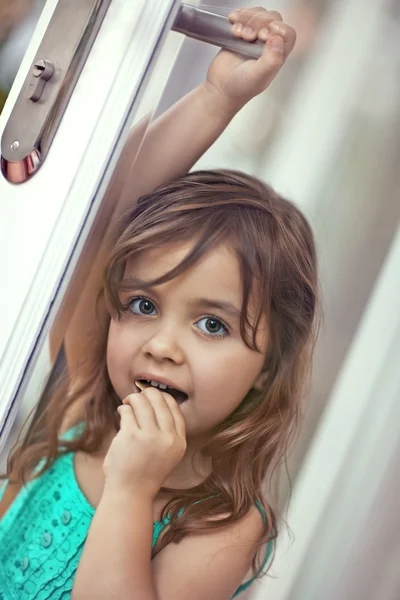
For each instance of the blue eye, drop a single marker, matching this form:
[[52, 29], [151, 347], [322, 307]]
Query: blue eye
[[212, 326], [142, 306]]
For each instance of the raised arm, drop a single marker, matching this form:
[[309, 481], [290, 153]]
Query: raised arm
[[170, 147]]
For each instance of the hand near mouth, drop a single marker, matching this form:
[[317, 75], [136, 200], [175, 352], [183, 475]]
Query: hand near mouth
[[149, 444]]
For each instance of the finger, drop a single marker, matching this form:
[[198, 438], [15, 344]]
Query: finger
[[238, 12], [243, 29], [246, 13], [276, 16], [267, 66], [257, 22], [128, 419], [162, 411], [244, 23], [249, 22], [286, 32], [177, 415], [142, 409]]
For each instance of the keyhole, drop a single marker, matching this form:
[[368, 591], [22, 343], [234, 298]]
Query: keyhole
[[38, 70], [43, 71]]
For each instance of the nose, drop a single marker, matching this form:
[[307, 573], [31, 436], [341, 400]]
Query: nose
[[163, 346]]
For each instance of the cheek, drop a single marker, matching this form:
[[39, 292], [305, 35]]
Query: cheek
[[117, 348], [111, 352], [226, 377], [120, 353]]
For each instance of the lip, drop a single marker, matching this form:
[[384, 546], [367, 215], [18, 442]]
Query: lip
[[160, 379]]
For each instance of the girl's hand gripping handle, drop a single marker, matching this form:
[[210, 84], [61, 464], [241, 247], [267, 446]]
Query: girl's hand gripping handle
[[234, 78]]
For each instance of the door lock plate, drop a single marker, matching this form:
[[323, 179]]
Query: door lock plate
[[47, 89]]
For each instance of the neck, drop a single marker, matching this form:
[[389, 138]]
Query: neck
[[193, 468]]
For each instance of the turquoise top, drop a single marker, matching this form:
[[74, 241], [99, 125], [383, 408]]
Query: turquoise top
[[43, 533]]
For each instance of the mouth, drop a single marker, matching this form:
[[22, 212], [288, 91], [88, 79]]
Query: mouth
[[179, 395]]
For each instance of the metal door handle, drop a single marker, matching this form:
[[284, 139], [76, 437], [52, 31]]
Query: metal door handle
[[212, 28], [45, 94]]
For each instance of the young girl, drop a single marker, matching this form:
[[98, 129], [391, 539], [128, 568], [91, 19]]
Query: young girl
[[155, 490]]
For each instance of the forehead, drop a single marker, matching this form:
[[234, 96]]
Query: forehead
[[218, 270]]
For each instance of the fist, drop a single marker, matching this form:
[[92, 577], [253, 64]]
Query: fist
[[149, 445], [238, 79]]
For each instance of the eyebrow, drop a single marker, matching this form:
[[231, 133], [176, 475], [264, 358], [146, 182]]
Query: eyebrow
[[227, 307], [128, 284], [132, 283]]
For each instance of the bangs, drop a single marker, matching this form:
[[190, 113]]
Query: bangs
[[114, 282], [253, 284]]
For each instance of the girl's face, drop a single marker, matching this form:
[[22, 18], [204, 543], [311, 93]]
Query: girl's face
[[185, 333]]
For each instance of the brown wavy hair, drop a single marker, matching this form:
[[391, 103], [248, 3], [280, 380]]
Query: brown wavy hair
[[275, 248]]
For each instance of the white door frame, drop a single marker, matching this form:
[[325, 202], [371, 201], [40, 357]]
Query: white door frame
[[41, 219]]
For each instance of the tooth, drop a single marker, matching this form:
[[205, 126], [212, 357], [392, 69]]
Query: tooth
[[162, 386], [139, 385], [154, 383]]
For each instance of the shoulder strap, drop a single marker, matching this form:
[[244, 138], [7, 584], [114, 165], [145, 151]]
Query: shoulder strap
[[247, 584], [268, 553], [72, 432]]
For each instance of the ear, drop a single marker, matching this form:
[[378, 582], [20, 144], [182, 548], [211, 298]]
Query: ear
[[260, 382]]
